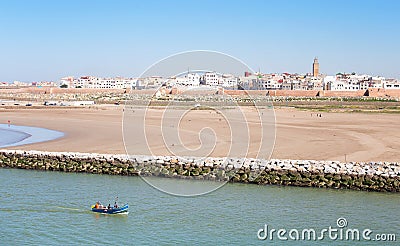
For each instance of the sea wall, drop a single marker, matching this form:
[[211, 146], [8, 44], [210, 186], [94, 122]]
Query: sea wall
[[382, 176]]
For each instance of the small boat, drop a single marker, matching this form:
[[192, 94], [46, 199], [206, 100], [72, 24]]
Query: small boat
[[114, 210]]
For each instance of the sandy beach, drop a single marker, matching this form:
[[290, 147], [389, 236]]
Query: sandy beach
[[299, 134]]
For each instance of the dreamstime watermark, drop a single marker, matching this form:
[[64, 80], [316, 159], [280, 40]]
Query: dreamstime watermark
[[341, 232]]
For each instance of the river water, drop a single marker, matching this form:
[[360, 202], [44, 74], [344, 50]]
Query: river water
[[13, 135], [53, 208]]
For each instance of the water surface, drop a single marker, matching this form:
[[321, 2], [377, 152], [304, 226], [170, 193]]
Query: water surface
[[13, 135], [47, 208]]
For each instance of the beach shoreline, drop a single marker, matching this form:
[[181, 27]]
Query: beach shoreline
[[300, 134]]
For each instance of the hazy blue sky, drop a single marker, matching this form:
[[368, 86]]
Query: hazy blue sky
[[46, 40]]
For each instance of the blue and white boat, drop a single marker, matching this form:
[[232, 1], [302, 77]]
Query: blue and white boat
[[98, 208]]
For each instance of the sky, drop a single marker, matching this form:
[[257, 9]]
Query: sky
[[47, 40]]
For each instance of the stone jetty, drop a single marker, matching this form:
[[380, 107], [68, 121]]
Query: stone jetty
[[372, 176]]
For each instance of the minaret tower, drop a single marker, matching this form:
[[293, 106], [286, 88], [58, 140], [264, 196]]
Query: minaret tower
[[315, 67]]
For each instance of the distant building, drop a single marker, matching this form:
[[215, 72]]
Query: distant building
[[44, 84], [91, 82], [67, 82], [315, 67], [245, 83], [391, 84], [211, 79], [229, 81], [247, 74], [257, 81], [190, 79], [343, 85], [267, 84], [20, 84]]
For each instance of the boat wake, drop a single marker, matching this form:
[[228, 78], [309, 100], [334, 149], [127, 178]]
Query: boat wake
[[53, 209], [71, 209], [124, 213]]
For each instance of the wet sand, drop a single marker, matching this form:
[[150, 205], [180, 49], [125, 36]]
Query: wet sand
[[299, 134]]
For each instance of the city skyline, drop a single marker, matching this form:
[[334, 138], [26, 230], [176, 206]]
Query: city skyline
[[47, 40]]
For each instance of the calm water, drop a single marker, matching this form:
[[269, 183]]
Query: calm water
[[48, 208], [12, 135]]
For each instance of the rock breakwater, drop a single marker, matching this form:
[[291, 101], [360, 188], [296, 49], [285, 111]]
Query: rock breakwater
[[373, 176]]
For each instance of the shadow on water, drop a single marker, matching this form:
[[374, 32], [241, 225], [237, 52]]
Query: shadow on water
[[67, 211], [121, 216]]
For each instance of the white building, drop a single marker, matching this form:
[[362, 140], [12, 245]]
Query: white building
[[67, 81], [248, 82], [139, 83], [83, 82], [377, 82], [343, 85], [193, 79], [21, 84], [327, 80], [44, 84], [154, 81], [190, 80], [229, 81], [267, 84], [98, 83], [391, 84], [211, 79], [364, 85]]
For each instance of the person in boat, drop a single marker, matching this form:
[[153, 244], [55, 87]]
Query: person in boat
[[109, 206], [115, 205], [101, 206]]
